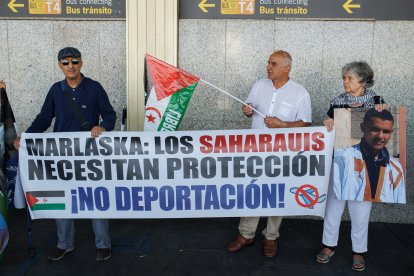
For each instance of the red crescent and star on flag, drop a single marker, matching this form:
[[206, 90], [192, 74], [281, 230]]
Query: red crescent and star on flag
[[150, 112]]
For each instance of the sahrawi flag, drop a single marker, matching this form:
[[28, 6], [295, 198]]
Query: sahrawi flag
[[169, 97], [46, 200]]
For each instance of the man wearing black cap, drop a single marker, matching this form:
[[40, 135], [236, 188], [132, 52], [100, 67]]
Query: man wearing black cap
[[76, 103]]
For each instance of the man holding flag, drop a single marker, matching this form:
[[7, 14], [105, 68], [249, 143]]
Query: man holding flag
[[286, 105], [76, 103]]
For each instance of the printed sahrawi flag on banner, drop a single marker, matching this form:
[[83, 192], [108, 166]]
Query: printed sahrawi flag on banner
[[46, 200], [169, 97]]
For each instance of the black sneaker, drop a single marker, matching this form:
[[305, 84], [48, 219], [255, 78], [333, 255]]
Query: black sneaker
[[56, 253], [103, 254]]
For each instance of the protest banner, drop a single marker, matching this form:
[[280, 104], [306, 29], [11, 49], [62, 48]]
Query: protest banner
[[184, 174]]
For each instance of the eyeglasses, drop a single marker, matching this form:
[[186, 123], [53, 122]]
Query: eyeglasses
[[66, 62]]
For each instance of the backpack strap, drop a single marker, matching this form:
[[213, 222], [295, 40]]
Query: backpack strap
[[84, 123]]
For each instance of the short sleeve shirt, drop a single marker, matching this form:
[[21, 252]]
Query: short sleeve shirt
[[289, 103]]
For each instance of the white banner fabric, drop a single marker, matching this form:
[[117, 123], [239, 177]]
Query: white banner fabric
[[182, 174]]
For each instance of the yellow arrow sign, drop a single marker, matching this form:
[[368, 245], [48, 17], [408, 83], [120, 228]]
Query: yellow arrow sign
[[203, 6], [347, 6], [13, 6]]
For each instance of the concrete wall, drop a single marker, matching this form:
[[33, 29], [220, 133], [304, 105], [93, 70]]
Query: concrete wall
[[232, 54], [28, 60]]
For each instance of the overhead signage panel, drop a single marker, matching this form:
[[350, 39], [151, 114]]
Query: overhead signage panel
[[298, 9], [64, 9]]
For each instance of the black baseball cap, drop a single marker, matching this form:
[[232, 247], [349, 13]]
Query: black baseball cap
[[69, 52]]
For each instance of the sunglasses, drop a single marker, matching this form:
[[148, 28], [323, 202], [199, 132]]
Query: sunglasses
[[66, 62]]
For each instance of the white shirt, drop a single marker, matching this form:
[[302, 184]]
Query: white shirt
[[289, 103]]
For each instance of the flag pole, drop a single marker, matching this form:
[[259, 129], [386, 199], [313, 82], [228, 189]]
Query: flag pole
[[237, 99], [123, 120], [29, 233]]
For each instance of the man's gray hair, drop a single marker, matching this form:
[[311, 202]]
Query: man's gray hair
[[287, 57], [362, 70]]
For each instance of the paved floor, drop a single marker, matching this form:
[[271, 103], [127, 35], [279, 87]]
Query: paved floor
[[197, 247]]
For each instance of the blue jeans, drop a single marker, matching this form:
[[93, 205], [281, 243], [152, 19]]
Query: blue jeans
[[66, 233]]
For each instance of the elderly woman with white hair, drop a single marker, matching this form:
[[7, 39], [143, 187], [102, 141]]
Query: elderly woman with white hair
[[357, 77]]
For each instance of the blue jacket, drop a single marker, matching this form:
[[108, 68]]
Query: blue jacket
[[90, 98]]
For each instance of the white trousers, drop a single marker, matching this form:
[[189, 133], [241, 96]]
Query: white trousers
[[359, 212], [248, 226]]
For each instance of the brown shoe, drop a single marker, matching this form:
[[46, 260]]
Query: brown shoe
[[239, 244], [269, 248]]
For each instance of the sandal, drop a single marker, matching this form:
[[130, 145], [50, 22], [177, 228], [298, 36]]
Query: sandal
[[323, 256], [358, 263]]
